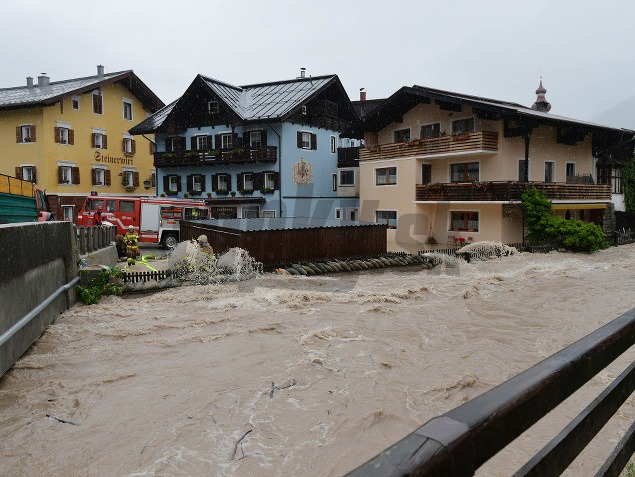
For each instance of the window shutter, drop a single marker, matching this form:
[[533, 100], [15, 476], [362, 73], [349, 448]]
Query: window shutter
[[313, 141], [105, 139], [33, 133], [189, 182], [168, 145], [236, 140], [18, 172], [123, 145], [229, 182], [59, 174], [34, 175], [166, 183], [240, 181], [57, 134], [193, 143], [258, 180], [182, 145], [93, 138], [153, 179], [276, 181], [107, 177], [214, 182], [71, 137], [178, 183], [75, 175], [123, 180], [135, 179], [133, 146], [18, 134], [263, 137], [246, 141], [218, 142], [93, 176], [151, 147], [203, 188], [300, 139]]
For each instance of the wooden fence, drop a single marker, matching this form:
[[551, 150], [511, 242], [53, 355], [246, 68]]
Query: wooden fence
[[135, 277], [457, 443], [90, 239]]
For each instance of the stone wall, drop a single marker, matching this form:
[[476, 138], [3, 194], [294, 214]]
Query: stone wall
[[36, 260]]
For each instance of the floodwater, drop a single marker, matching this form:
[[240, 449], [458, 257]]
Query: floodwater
[[284, 375]]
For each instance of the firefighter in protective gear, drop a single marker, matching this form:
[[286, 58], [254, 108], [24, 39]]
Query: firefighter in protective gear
[[131, 240]]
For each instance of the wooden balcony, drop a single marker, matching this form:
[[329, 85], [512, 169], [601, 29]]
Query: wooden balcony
[[510, 191], [348, 156], [483, 141], [220, 156]]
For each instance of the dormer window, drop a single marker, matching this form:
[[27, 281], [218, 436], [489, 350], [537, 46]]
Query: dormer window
[[213, 107]]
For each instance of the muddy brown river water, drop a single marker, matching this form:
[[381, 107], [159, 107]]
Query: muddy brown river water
[[283, 376]]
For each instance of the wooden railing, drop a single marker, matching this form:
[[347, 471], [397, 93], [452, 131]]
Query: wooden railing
[[348, 156], [483, 141], [460, 441], [220, 156], [510, 191]]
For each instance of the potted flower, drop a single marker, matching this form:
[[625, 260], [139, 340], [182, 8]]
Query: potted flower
[[233, 194], [186, 195], [266, 190], [209, 195], [224, 192], [246, 191]]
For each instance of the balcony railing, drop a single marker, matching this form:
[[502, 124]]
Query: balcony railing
[[219, 156], [510, 191], [348, 156], [438, 146]]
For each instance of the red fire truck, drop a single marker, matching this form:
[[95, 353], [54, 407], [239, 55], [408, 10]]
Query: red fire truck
[[155, 219]]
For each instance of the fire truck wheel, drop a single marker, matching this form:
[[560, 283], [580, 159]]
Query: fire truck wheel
[[169, 241]]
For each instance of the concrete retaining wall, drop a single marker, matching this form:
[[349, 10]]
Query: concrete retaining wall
[[36, 259]]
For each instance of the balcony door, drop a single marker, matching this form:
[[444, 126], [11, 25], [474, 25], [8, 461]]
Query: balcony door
[[550, 171], [426, 173]]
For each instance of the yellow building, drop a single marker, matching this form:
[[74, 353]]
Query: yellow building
[[71, 137]]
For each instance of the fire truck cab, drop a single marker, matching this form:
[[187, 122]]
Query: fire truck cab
[[155, 219]]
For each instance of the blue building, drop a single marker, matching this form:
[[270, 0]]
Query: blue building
[[263, 150]]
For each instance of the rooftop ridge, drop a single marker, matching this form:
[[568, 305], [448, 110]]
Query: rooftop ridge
[[97, 77]]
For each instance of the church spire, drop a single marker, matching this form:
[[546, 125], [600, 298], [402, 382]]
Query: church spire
[[541, 103]]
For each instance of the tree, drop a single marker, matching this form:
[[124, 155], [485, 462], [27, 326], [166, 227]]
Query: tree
[[628, 185]]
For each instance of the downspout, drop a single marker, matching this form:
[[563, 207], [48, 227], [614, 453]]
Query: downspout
[[6, 336], [279, 169]]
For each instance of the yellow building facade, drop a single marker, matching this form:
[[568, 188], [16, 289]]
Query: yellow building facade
[[70, 138]]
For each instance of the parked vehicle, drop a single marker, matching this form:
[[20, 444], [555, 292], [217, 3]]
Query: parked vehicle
[[20, 201], [155, 219]]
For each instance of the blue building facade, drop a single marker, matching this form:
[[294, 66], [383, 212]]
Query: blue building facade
[[265, 150]]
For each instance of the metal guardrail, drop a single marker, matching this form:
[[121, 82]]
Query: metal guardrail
[[460, 441]]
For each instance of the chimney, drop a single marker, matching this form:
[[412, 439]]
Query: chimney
[[302, 72], [100, 70], [29, 81], [43, 80], [362, 94]]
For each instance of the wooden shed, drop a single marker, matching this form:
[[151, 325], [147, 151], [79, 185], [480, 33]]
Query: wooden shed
[[275, 241]]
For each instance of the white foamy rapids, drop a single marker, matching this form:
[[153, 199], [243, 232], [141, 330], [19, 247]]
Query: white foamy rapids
[[191, 265]]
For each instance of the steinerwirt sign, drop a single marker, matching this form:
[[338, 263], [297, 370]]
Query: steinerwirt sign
[[126, 161]]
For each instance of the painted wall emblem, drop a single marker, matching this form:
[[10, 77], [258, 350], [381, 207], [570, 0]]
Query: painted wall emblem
[[302, 172]]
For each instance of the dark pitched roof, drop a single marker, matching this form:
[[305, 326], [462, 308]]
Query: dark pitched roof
[[37, 96], [362, 108], [256, 102]]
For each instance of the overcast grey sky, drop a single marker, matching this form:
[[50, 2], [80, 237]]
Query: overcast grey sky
[[495, 49]]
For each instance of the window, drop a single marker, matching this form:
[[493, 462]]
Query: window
[[306, 140], [175, 144], [65, 174], [386, 176], [426, 173], [248, 181], [250, 212], [223, 183], [67, 212], [226, 141], [303, 110], [25, 133], [97, 103], [63, 136], [430, 130], [334, 182], [99, 140], [402, 135], [153, 178], [127, 109], [255, 139], [172, 184], [464, 221], [268, 214], [352, 213], [213, 107], [126, 206], [197, 183], [338, 213], [75, 103], [129, 146], [128, 179], [616, 181], [521, 171], [462, 126], [570, 170], [464, 172], [200, 143], [333, 144], [347, 177], [270, 180], [111, 206], [99, 177], [388, 217], [28, 173], [550, 173]]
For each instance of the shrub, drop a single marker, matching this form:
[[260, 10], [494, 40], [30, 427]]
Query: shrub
[[101, 285]]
